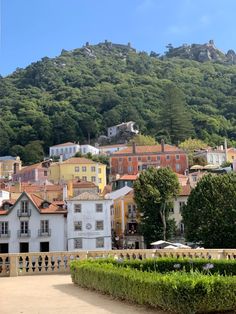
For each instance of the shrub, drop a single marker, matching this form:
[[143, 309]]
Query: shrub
[[179, 292]]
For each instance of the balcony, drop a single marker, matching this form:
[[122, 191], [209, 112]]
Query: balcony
[[44, 233], [23, 233], [5, 234], [24, 213], [132, 215]]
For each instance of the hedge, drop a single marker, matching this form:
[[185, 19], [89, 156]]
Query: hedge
[[178, 292]]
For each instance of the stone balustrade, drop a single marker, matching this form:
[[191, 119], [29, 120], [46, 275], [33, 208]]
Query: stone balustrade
[[20, 264]]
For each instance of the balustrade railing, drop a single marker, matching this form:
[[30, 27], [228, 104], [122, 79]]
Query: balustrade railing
[[19, 264]]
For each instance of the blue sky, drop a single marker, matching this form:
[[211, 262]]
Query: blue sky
[[32, 29]]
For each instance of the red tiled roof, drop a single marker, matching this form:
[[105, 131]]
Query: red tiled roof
[[112, 146], [31, 167], [83, 184], [148, 149], [78, 160], [131, 177], [52, 208], [65, 144], [185, 190]]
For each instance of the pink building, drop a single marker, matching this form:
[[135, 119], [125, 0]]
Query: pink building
[[33, 173]]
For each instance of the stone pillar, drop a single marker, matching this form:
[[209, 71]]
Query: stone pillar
[[13, 265], [221, 254]]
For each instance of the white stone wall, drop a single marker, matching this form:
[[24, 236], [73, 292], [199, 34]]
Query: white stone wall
[[176, 214], [57, 224], [66, 151], [85, 149], [4, 195], [89, 216]]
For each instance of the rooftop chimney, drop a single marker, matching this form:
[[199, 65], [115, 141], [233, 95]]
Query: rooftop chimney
[[134, 147], [162, 146]]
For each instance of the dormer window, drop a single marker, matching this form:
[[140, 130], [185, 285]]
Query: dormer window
[[6, 206], [45, 205], [24, 206]]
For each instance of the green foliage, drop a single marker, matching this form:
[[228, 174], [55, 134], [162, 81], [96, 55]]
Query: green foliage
[[190, 145], [179, 292], [140, 139], [75, 97], [154, 192], [210, 214]]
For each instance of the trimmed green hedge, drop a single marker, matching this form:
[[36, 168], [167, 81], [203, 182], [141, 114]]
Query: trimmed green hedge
[[179, 292]]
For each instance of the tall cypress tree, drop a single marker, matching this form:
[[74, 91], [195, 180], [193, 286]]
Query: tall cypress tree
[[175, 120]]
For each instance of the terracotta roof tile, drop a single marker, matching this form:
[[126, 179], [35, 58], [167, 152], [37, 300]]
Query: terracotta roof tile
[[77, 160], [131, 177], [185, 190], [147, 149]]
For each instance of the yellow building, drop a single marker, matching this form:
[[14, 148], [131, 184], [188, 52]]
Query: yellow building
[[231, 154], [78, 168], [8, 166], [125, 219]]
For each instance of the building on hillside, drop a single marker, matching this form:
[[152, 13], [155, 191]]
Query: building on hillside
[[195, 176], [134, 159], [89, 222], [212, 156], [176, 211], [69, 149], [33, 173], [123, 127], [9, 166], [32, 224], [110, 149], [77, 187], [4, 195], [78, 168], [125, 219], [125, 180], [231, 154]]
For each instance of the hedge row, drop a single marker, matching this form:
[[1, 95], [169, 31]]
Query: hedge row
[[164, 265], [179, 292]]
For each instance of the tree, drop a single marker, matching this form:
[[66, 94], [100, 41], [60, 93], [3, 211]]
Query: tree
[[140, 139], [154, 192], [33, 152], [175, 120], [210, 214]]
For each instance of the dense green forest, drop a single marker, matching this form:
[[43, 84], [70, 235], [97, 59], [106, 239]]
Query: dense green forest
[[79, 94]]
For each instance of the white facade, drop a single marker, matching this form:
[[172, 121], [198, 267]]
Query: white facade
[[26, 232], [89, 223], [4, 195], [176, 212], [214, 157], [125, 126], [85, 149]]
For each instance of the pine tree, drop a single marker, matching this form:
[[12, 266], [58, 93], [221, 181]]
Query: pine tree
[[175, 120]]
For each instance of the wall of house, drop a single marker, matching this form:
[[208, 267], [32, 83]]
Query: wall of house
[[85, 149], [134, 163], [176, 214], [4, 195], [66, 151], [88, 216], [59, 172], [57, 225]]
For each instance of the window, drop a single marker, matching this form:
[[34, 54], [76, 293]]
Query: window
[[99, 208], [24, 206], [120, 159], [78, 243], [99, 243], [149, 158], [84, 178], [99, 170], [177, 167], [78, 226], [139, 158], [167, 157], [171, 210], [93, 179], [130, 168], [99, 225], [44, 226], [77, 169], [181, 228], [70, 150], [77, 208], [24, 227], [181, 206], [158, 158], [4, 227], [177, 157], [84, 168], [45, 173], [194, 177], [93, 169], [129, 158]]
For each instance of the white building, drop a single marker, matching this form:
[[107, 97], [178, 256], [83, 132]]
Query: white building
[[68, 150], [213, 156], [123, 127], [4, 195], [31, 224], [110, 149], [89, 222]]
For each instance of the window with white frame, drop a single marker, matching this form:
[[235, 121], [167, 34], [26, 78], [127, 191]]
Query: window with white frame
[[99, 208], [4, 227], [99, 225], [93, 169], [100, 243], [177, 167], [84, 178], [24, 206], [24, 227], [84, 168], [77, 208], [78, 226], [77, 169], [78, 243], [130, 169], [177, 157], [167, 157], [93, 179], [44, 226]]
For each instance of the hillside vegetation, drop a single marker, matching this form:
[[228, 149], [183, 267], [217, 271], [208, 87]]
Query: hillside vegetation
[[78, 94]]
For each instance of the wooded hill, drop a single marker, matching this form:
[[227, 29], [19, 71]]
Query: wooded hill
[[81, 92]]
